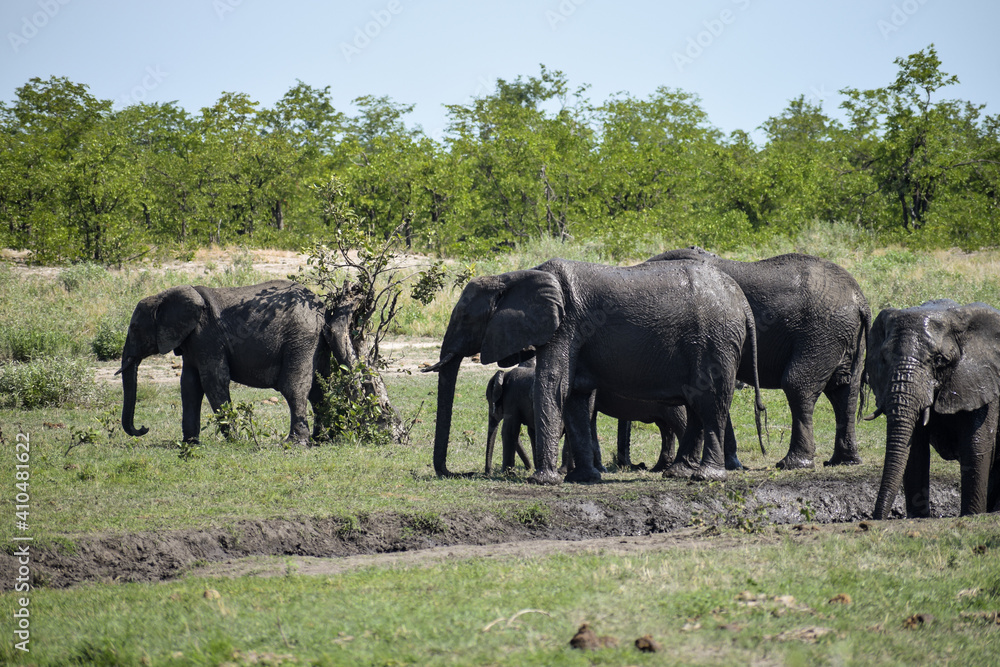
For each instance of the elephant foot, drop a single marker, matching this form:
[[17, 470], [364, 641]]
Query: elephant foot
[[546, 477], [662, 464], [734, 464], [580, 476], [600, 468], [843, 460], [444, 473], [709, 473], [794, 463], [680, 470]]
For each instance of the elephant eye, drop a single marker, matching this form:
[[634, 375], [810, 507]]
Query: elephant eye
[[940, 360]]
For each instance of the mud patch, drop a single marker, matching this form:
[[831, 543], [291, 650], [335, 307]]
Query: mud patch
[[568, 519]]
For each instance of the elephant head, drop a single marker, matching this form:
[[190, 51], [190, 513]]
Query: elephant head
[[504, 319], [159, 324], [938, 357]]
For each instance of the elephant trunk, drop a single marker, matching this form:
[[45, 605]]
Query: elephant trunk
[[447, 379], [903, 408], [130, 380]]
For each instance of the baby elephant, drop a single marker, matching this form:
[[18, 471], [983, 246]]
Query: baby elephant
[[935, 373], [510, 399]]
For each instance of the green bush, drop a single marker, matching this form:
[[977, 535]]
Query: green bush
[[79, 276], [28, 342], [110, 338], [48, 382]]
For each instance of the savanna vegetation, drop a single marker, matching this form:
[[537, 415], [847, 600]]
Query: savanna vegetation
[[742, 589], [83, 180], [535, 170]]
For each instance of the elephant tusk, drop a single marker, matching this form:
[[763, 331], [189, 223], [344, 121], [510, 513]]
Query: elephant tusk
[[875, 415], [927, 415], [126, 362], [436, 367]]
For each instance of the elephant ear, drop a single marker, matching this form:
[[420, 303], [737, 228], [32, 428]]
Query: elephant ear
[[176, 316], [494, 392], [526, 313], [876, 368], [975, 379]]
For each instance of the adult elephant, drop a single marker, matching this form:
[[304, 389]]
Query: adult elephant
[[275, 335], [651, 335], [935, 372], [812, 325], [510, 399]]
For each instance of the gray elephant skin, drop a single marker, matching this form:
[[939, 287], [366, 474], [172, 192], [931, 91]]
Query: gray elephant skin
[[277, 335], [645, 338], [511, 405], [935, 372], [812, 324]]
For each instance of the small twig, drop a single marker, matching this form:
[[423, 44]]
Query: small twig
[[282, 631], [514, 618]]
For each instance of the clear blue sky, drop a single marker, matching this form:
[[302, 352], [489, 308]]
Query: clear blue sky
[[745, 58]]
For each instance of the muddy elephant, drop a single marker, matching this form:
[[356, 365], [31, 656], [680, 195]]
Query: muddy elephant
[[274, 335], [647, 337], [812, 324], [511, 405], [935, 372]]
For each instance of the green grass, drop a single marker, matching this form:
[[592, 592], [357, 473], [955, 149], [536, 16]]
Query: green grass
[[523, 611], [437, 614]]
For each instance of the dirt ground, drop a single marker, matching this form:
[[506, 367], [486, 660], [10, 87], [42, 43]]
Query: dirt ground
[[591, 518]]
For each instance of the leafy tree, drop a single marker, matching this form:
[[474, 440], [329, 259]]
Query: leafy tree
[[916, 150]]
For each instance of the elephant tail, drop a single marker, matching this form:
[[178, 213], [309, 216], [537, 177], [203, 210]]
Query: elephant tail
[[760, 410]]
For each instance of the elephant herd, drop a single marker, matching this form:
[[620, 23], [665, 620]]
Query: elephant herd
[[666, 342], [663, 342]]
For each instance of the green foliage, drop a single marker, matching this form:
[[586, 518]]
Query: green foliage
[[238, 422], [109, 341], [46, 382], [352, 415], [530, 158]]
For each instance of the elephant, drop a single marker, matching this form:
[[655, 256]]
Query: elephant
[[277, 334], [645, 338], [812, 322], [510, 401], [934, 370]]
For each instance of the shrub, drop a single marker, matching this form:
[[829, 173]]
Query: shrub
[[110, 338], [78, 276], [28, 342], [49, 382]]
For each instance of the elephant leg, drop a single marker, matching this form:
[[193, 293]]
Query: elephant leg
[[916, 476], [191, 397], [623, 459], [298, 430], [550, 396], [510, 436], [530, 428], [979, 443], [672, 428], [595, 441], [689, 448], [801, 403], [844, 399], [217, 393], [714, 413], [321, 415], [577, 417], [732, 460]]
